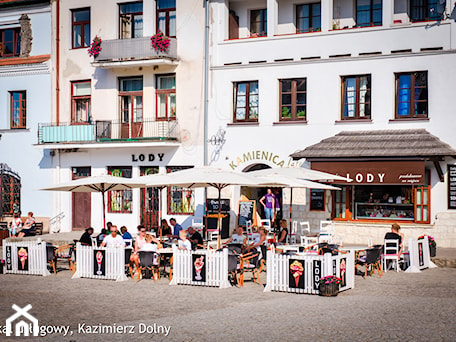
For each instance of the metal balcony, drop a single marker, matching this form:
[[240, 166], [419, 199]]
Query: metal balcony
[[108, 131], [132, 52]]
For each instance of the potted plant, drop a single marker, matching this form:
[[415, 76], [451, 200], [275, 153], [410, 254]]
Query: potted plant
[[432, 245], [95, 48], [329, 286], [286, 112], [160, 42]]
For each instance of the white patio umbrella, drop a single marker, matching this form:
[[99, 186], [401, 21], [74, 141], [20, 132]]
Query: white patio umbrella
[[298, 172], [99, 184], [205, 176]]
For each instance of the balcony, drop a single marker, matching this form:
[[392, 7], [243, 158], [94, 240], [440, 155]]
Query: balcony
[[99, 132], [122, 53]]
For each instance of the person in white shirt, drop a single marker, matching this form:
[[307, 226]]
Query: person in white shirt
[[183, 243], [113, 240], [238, 237], [149, 246]]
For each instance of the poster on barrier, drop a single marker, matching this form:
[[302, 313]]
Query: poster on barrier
[[343, 266], [22, 258], [420, 254], [296, 274], [316, 273], [199, 268], [99, 258], [9, 260]]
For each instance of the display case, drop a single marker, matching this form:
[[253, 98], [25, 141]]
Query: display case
[[385, 211]]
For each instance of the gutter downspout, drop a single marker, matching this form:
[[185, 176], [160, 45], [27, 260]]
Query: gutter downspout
[[206, 80], [57, 64]]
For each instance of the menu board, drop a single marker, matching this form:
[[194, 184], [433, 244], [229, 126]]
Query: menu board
[[451, 186], [317, 199], [212, 206], [246, 210]]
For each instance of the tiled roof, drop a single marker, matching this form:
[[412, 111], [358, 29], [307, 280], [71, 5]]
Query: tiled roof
[[24, 60]]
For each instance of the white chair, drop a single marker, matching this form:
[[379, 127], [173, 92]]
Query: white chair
[[307, 241], [94, 242], [326, 232], [294, 230], [212, 234], [267, 224], [391, 252], [198, 224], [248, 227], [305, 227]]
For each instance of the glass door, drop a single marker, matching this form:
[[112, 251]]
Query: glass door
[[422, 204]]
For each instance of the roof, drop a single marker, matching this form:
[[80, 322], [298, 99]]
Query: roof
[[24, 60], [417, 143]]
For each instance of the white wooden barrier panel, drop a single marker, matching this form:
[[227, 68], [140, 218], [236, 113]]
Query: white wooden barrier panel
[[100, 262], [301, 273], [419, 255], [201, 267], [25, 257]]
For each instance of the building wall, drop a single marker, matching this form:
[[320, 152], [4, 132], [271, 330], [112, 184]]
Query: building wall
[[16, 145]]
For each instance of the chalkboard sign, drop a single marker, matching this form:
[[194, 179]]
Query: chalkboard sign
[[246, 210], [212, 206], [317, 199], [451, 186]]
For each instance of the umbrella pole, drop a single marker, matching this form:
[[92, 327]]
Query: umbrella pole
[[104, 209], [219, 224], [160, 228], [291, 207]]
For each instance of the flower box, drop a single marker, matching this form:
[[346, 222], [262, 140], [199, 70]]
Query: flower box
[[329, 286]]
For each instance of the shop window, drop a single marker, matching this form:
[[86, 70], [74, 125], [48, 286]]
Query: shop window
[[80, 28], [308, 17], [411, 95], [18, 101], [80, 102], [356, 97], [166, 97], [10, 42], [166, 17], [368, 13], [246, 101], [259, 22], [424, 10], [180, 200], [120, 201], [131, 20], [422, 204], [293, 99]]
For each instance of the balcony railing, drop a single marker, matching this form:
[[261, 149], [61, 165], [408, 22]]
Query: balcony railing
[[108, 131], [122, 50]]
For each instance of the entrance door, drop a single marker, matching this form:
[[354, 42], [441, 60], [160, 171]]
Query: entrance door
[[131, 126], [342, 203], [81, 202], [149, 201]]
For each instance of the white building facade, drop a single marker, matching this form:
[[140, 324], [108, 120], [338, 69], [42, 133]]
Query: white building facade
[[25, 100], [288, 74], [130, 110]]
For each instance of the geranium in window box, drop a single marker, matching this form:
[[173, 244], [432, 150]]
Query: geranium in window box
[[432, 245], [160, 42], [95, 47], [329, 286]]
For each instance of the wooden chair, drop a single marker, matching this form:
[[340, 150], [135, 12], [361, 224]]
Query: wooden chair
[[371, 261]]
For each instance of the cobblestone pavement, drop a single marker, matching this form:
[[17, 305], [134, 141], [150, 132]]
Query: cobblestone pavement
[[396, 307]]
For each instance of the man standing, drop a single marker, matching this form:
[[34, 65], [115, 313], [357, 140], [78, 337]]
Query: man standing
[[176, 227], [270, 204]]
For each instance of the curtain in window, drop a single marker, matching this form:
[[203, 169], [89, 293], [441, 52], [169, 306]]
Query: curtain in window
[[350, 97], [363, 93], [404, 95]]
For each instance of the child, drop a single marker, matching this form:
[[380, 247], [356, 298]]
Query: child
[[183, 242], [149, 246]]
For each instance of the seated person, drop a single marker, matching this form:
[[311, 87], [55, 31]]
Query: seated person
[[101, 236], [184, 243], [176, 227], [125, 234], [15, 223], [238, 237], [258, 241], [394, 234], [86, 238], [282, 238], [165, 228], [195, 238], [113, 240], [148, 246], [28, 227]]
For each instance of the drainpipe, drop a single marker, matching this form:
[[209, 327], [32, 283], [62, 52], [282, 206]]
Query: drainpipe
[[206, 79], [57, 64]]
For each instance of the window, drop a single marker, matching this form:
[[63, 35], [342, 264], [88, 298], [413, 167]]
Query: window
[[166, 97], [424, 10], [131, 20], [246, 101], [368, 13], [120, 201], [308, 17], [131, 107], [10, 42], [411, 95], [18, 102], [81, 28], [166, 17], [259, 22], [356, 97], [80, 102], [293, 99], [180, 200]]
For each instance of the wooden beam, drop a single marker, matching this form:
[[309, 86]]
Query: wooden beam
[[439, 170]]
